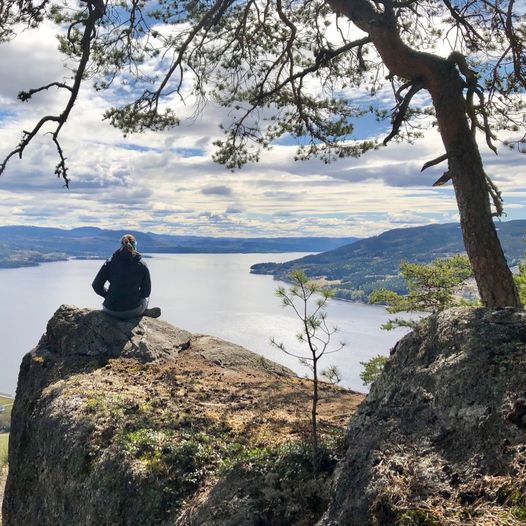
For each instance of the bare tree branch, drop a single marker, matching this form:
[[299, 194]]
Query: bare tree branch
[[434, 162], [322, 59], [94, 14], [443, 179], [416, 86], [463, 22], [26, 95]]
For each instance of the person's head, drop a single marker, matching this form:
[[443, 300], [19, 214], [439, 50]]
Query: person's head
[[129, 244]]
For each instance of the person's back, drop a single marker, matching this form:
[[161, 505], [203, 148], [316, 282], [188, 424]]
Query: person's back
[[129, 283]]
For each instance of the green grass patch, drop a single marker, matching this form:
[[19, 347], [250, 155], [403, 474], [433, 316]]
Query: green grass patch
[[6, 402], [4, 441], [280, 481], [176, 462], [418, 517], [187, 454]]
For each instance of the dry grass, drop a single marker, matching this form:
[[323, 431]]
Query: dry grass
[[493, 500], [262, 408]]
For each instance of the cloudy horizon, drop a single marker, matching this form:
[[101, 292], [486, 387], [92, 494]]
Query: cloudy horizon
[[166, 182]]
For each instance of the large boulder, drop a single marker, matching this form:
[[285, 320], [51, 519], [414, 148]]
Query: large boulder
[[139, 423], [441, 437]]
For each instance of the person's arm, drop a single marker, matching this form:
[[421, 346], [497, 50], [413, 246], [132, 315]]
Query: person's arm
[[100, 280], [146, 285]]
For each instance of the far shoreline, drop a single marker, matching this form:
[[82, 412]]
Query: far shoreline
[[151, 255], [10, 265]]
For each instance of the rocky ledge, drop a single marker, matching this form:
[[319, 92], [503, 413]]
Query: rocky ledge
[[128, 423]]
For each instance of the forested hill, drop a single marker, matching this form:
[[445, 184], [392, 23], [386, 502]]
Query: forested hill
[[29, 245], [373, 262]]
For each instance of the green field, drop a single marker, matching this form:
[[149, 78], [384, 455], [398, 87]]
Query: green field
[[4, 439], [5, 423], [5, 416]]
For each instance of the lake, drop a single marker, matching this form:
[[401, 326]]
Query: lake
[[203, 293]]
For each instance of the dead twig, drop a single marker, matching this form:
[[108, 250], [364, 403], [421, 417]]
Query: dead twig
[[415, 87]]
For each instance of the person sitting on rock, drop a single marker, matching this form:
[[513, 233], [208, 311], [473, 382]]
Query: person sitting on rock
[[130, 285]]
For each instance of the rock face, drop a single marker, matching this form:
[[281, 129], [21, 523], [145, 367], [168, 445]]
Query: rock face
[[441, 438], [139, 423], [81, 332]]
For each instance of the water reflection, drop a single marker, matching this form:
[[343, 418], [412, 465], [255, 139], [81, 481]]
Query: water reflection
[[203, 293]]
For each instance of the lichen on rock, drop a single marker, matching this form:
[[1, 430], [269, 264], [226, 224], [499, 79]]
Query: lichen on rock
[[441, 438]]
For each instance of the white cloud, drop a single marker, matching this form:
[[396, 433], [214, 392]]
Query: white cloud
[[166, 182]]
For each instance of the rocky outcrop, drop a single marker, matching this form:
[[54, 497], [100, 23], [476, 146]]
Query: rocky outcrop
[[80, 332], [441, 438], [127, 423], [140, 423]]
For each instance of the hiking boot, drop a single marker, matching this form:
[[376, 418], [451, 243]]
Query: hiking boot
[[154, 312]]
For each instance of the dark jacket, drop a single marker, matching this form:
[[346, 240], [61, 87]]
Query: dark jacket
[[129, 280]]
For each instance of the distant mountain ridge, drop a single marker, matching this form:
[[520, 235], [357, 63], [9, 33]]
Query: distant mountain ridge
[[30, 245], [371, 263]]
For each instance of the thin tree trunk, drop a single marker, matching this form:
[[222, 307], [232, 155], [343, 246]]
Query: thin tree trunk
[[315, 456], [442, 79]]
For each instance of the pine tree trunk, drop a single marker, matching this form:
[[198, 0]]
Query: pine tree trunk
[[314, 416], [442, 79], [494, 279]]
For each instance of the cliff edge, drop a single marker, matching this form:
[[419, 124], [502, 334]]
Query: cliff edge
[[141, 423]]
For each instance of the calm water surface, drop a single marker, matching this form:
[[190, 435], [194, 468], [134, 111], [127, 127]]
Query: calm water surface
[[203, 293]]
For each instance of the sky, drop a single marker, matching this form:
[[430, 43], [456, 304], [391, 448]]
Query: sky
[[166, 182]]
